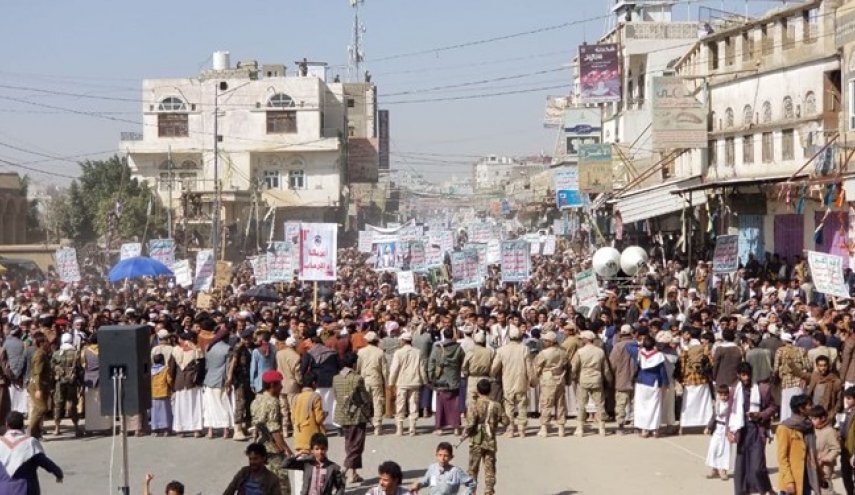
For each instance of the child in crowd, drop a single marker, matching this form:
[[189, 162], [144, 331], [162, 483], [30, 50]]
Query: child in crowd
[[718, 452], [827, 445], [320, 474], [444, 479], [389, 480], [307, 414], [161, 396]]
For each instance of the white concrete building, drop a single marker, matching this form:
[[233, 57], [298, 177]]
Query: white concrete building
[[493, 172], [774, 99], [280, 139]]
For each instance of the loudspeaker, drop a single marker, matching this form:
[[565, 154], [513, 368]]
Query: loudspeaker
[[126, 348]]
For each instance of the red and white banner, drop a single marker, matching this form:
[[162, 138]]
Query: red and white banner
[[318, 251]]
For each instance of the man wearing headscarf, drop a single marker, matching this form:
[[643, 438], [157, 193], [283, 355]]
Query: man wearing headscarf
[[216, 404]]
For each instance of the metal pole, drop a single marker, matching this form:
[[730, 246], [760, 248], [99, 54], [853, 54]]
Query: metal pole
[[171, 179], [215, 230], [126, 486]]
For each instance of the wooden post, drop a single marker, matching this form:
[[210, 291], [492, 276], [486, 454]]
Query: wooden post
[[315, 300]]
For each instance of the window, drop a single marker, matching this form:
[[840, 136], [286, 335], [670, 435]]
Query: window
[[789, 112], [748, 149], [713, 153], [810, 20], [188, 180], [768, 148], [767, 112], [747, 46], [296, 179], [729, 54], [788, 28], [281, 122], [729, 152], [747, 116], [271, 179], [728, 118], [172, 104], [787, 144], [351, 103], [713, 50], [163, 183], [768, 44], [280, 100], [852, 104], [810, 103], [172, 125]]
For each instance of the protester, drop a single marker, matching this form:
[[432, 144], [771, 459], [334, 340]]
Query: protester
[[390, 479], [798, 459], [441, 478], [320, 475], [254, 478], [718, 452], [483, 418], [354, 411], [21, 456]]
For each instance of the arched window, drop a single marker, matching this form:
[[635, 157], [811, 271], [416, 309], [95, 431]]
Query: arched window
[[728, 118], [767, 112], [280, 100], [789, 111], [172, 104], [747, 116], [810, 103]]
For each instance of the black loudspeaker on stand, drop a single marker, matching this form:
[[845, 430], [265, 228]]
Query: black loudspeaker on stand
[[126, 349]]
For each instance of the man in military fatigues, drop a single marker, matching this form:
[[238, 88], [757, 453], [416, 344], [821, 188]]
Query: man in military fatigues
[[551, 366], [267, 418], [591, 369], [483, 417], [513, 366], [288, 364], [371, 365], [39, 385], [66, 375], [476, 365]]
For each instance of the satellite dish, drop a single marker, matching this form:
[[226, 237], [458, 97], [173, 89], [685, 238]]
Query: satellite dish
[[632, 259], [606, 262]]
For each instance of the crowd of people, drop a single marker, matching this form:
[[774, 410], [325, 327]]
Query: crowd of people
[[673, 350]]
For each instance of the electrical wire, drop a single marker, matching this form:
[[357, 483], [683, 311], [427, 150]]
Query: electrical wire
[[476, 97], [474, 83]]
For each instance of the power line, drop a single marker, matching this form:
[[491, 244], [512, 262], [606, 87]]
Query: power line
[[474, 83], [475, 97]]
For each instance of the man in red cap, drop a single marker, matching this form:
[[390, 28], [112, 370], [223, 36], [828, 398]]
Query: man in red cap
[[267, 418]]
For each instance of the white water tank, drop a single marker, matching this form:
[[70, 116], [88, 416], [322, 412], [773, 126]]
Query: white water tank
[[222, 60]]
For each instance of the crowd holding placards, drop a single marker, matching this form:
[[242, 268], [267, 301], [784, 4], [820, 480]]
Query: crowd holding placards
[[676, 348]]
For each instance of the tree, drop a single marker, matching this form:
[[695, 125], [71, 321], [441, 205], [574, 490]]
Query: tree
[[106, 190]]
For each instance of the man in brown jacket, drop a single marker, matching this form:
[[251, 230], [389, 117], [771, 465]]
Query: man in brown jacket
[[847, 361], [726, 358], [824, 387], [288, 363], [623, 366]]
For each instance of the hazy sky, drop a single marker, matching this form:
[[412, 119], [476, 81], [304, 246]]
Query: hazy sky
[[105, 48]]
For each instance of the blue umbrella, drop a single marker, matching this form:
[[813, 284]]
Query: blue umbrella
[[138, 266]]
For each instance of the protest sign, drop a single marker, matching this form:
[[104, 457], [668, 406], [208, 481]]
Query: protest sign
[[365, 240], [516, 261], [433, 256], [292, 234], [259, 268], [387, 252], [726, 254], [279, 266], [318, 251], [481, 249], [444, 238], [66, 265], [586, 288], [464, 269], [162, 250], [130, 250], [204, 301], [204, 270], [494, 252], [416, 258], [223, 274], [183, 277], [827, 273], [406, 282], [549, 245]]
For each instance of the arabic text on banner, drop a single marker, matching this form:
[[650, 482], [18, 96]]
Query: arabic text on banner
[[183, 277], [827, 273], [549, 245], [204, 270], [433, 256], [162, 250], [443, 238], [387, 250], [259, 269], [586, 288], [480, 232], [416, 259], [279, 266], [365, 240], [222, 274], [481, 249], [130, 250], [726, 254], [406, 282], [318, 243], [494, 252], [292, 233], [464, 269], [516, 261], [66, 265]]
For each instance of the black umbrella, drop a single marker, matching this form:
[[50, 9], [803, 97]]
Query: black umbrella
[[262, 293]]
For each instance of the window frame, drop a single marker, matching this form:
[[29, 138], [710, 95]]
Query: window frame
[[293, 176], [281, 122]]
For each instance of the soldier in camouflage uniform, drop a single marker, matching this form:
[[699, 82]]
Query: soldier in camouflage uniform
[[483, 417], [66, 372], [267, 418]]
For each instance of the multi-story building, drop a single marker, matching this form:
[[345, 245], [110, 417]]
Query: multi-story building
[[280, 140], [773, 91], [493, 172]]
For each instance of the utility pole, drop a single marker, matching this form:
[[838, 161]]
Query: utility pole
[[171, 177], [357, 56], [215, 224]]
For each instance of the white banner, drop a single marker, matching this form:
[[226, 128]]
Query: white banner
[[67, 266], [549, 245], [279, 266], [205, 265], [183, 276], [163, 250], [827, 273], [586, 288], [443, 238], [318, 243], [259, 268], [130, 250], [365, 239], [494, 252], [406, 283], [292, 233]]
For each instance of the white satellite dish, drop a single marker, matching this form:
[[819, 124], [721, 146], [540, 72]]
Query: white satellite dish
[[606, 262], [632, 258]]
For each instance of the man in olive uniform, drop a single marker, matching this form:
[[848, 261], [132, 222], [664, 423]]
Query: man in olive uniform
[[513, 366], [66, 374], [371, 365], [288, 364], [267, 418], [551, 366], [591, 369], [483, 417], [39, 386], [476, 365]]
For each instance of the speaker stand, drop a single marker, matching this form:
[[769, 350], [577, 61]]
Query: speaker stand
[[125, 489]]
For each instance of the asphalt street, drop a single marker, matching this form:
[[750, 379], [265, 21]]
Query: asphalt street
[[532, 465]]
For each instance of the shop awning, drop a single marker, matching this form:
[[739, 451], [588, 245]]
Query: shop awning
[[657, 200], [736, 182]]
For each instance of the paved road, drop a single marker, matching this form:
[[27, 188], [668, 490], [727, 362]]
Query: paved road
[[537, 466]]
